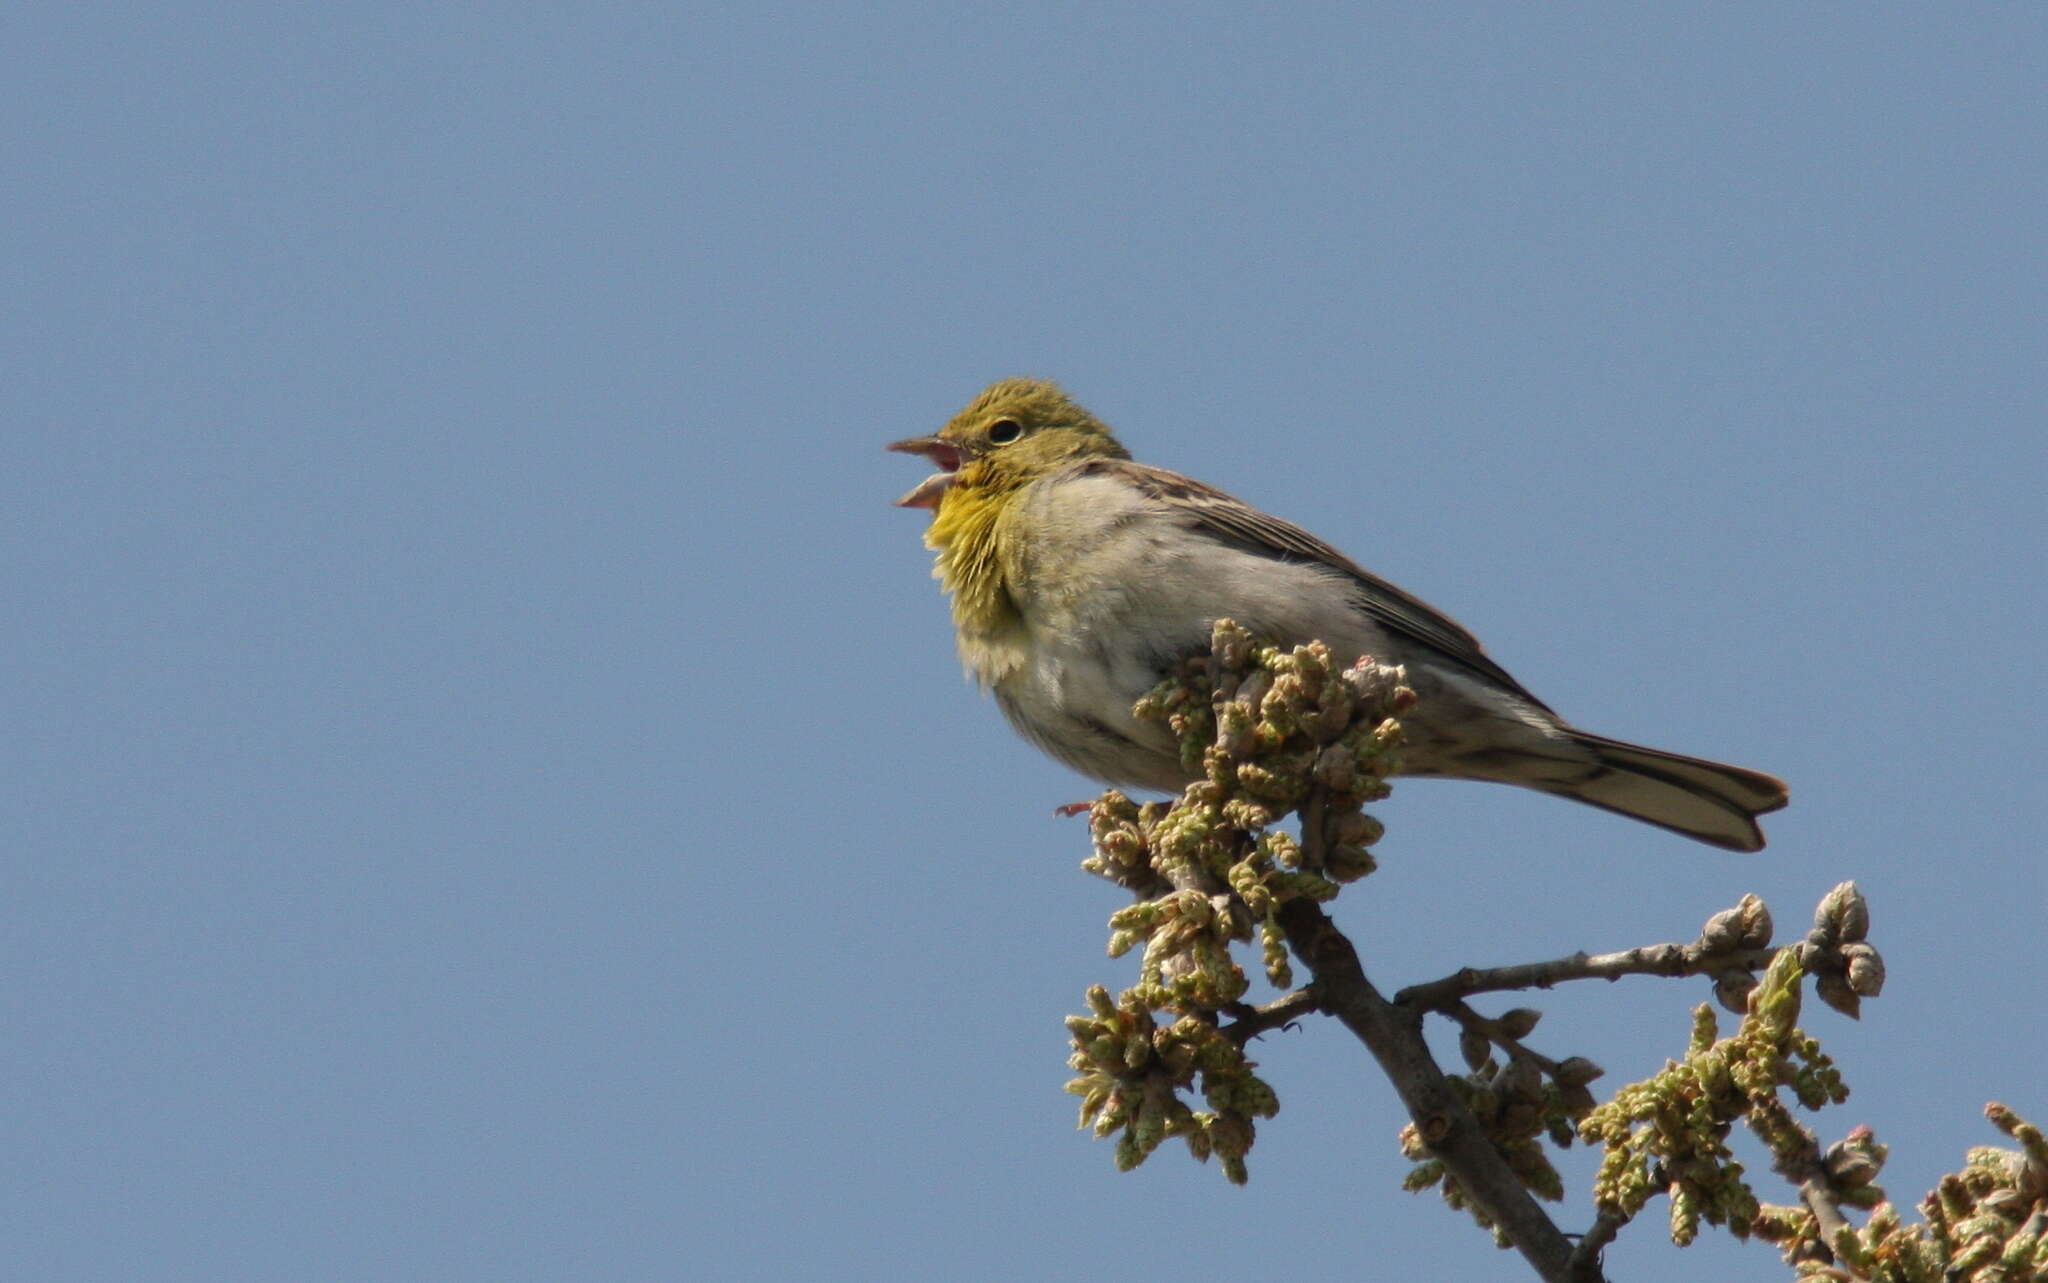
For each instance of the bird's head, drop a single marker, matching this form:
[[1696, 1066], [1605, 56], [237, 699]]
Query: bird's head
[[1014, 432]]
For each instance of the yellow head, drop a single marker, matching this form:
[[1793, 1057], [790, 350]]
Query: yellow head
[[1016, 431]]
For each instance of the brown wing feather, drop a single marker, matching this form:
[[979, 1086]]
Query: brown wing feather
[[1236, 522]]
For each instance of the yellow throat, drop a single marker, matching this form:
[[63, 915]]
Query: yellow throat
[[1015, 433], [977, 565]]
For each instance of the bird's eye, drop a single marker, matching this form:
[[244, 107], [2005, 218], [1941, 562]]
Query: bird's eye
[[1004, 431]]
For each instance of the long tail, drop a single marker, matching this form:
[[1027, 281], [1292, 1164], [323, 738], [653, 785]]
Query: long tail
[[1711, 801]]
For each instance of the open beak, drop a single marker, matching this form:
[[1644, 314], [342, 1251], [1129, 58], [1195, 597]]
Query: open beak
[[942, 453]]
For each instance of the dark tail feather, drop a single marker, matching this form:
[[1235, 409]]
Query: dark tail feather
[[1712, 802]]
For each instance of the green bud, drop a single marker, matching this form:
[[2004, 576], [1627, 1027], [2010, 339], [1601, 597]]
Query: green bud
[[1348, 863], [1863, 969], [1576, 1103], [1732, 990], [1834, 990], [1843, 914], [1336, 768], [1704, 1029], [1746, 926], [1354, 828], [1243, 813], [1129, 1153], [1756, 923], [1722, 932], [1518, 1022], [1230, 644], [1423, 1175], [1234, 729], [1685, 1215], [1850, 1168], [1312, 663]]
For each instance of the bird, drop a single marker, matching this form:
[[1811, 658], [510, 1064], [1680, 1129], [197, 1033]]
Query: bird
[[1079, 578]]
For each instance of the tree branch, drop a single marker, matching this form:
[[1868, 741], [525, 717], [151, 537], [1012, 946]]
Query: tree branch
[[1394, 1037], [1249, 1021], [1649, 960], [1586, 1256], [1808, 1169]]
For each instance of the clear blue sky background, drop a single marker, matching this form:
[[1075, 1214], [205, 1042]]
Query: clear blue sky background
[[488, 793]]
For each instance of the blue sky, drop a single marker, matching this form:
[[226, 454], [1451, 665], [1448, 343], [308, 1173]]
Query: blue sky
[[490, 793]]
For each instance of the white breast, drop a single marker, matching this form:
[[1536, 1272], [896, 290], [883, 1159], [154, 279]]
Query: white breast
[[1116, 587]]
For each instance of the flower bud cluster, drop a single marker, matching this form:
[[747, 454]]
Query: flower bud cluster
[[1518, 1101], [1669, 1133], [1269, 732], [1844, 967], [1987, 1223], [1132, 1070], [1729, 934]]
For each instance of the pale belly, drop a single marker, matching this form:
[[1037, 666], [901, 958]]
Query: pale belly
[[1074, 702]]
